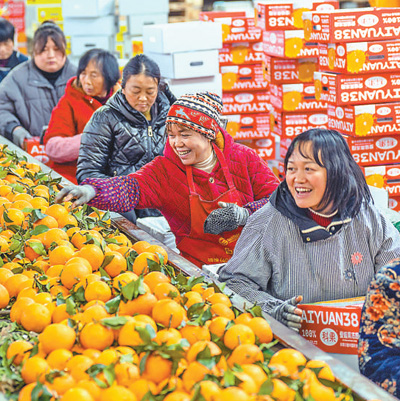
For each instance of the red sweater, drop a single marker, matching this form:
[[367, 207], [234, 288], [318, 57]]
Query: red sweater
[[162, 184]]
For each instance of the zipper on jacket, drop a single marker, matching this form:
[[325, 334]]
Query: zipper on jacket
[[149, 131]]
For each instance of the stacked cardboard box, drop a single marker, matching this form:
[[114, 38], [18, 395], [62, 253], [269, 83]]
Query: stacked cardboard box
[[360, 53], [14, 11]]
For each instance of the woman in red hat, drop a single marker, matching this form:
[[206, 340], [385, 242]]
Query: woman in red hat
[[205, 185]]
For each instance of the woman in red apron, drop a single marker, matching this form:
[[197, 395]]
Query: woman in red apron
[[205, 184]]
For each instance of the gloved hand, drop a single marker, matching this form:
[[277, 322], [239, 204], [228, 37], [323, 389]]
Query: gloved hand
[[19, 134], [228, 218], [81, 193], [288, 314]]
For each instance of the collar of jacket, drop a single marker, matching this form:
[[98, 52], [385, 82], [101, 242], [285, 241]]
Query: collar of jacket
[[14, 60], [35, 78], [310, 231]]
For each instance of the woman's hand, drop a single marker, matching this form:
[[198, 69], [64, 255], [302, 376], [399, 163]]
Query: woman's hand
[[228, 218], [288, 314], [19, 135], [81, 193]]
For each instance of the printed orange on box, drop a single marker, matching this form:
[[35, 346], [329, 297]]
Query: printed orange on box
[[295, 97], [241, 53], [245, 77], [360, 57], [375, 151], [284, 146], [266, 148], [352, 25], [394, 203], [36, 149], [288, 44], [288, 15], [290, 71], [340, 89], [365, 120], [246, 102], [385, 176], [249, 126]]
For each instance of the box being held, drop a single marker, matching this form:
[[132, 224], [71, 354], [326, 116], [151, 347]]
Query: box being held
[[36, 149]]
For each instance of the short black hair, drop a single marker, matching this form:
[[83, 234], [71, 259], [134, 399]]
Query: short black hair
[[106, 63], [7, 30], [346, 187], [141, 64], [47, 30]]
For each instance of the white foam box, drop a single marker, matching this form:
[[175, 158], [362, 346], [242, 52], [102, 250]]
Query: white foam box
[[96, 26], [182, 37], [137, 21], [81, 44], [203, 63], [181, 87], [130, 7], [87, 8]]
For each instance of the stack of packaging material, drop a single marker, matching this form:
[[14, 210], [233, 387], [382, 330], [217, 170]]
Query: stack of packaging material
[[90, 24], [245, 90], [290, 63], [360, 50], [187, 53]]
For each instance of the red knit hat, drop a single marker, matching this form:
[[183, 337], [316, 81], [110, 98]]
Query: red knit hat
[[199, 112]]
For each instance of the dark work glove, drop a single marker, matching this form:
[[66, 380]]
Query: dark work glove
[[81, 193], [228, 218], [288, 314], [19, 135]]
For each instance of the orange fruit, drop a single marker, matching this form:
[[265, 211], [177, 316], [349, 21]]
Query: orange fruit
[[238, 334], [67, 220], [232, 393], [256, 372], [93, 254], [57, 336], [117, 265], [34, 369], [19, 350], [325, 373], [154, 278], [77, 393], [123, 279], [194, 373], [157, 368], [218, 325], [98, 290], [58, 358], [18, 307], [141, 387], [47, 221], [54, 235], [14, 284], [117, 393], [199, 346], [168, 313], [60, 255], [195, 333], [290, 358], [222, 310], [192, 297], [245, 354], [158, 249], [140, 265], [177, 396], [14, 217], [143, 304], [95, 335], [72, 273], [208, 389], [60, 384], [140, 246], [218, 297], [261, 329], [4, 297], [91, 387], [5, 274], [94, 312], [78, 365], [168, 336], [35, 317], [57, 211], [128, 335], [244, 318], [166, 290], [281, 391]]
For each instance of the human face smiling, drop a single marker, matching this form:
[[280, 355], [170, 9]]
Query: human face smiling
[[306, 179], [51, 59], [92, 80], [190, 146], [141, 92]]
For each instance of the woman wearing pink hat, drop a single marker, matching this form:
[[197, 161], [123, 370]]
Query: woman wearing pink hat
[[205, 185]]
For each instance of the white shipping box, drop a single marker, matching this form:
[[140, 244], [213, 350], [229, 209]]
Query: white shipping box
[[128, 7], [181, 87], [198, 64], [95, 26], [81, 44], [87, 8], [182, 37], [137, 21]]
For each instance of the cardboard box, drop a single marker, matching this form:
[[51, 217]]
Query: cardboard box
[[290, 125], [375, 151], [360, 57], [288, 44], [278, 168], [246, 102], [241, 53], [284, 15], [284, 146], [212, 84], [137, 21], [35, 149], [131, 7], [332, 326], [339, 89], [182, 65], [295, 97], [194, 35], [394, 203], [266, 148], [290, 71], [97, 26], [87, 8], [81, 44], [365, 120], [235, 28], [10, 9], [243, 78], [249, 126], [386, 177], [352, 25]]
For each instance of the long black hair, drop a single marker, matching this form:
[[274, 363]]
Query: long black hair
[[141, 64], [47, 30], [105, 62], [346, 188]]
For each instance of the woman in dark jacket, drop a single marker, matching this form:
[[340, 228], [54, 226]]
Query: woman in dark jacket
[[128, 132]]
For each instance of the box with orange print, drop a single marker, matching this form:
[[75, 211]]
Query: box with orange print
[[386, 176], [288, 44], [360, 57], [394, 203], [365, 120], [246, 102], [340, 89], [375, 151], [284, 146], [248, 126], [236, 26], [237, 78], [278, 15], [36, 149], [290, 125], [265, 148], [241, 53], [295, 97], [290, 71]]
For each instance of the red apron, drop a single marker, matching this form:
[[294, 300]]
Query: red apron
[[201, 248]]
